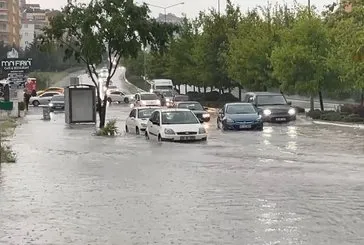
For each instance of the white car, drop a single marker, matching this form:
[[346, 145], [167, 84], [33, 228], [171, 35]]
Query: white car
[[117, 96], [43, 99], [138, 118], [146, 99], [175, 125]]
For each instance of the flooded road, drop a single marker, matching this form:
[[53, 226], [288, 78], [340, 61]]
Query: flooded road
[[290, 184]]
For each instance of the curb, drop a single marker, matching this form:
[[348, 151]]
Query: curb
[[345, 125]]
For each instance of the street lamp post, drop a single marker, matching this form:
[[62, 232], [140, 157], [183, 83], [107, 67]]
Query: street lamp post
[[165, 8]]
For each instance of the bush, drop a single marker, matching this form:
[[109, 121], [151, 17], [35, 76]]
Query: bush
[[335, 116], [195, 96], [21, 106], [110, 129], [353, 109], [212, 96], [6, 154], [228, 97]]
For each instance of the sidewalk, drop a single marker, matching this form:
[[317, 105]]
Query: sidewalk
[[339, 124]]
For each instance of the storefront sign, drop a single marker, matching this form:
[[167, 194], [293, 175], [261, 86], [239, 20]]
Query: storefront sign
[[20, 65]]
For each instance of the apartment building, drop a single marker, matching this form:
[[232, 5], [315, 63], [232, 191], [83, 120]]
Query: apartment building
[[27, 34], [39, 17], [10, 22]]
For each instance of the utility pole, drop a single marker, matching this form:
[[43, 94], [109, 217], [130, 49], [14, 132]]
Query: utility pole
[[218, 7]]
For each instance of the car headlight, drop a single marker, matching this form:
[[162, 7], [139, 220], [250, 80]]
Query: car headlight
[[292, 111], [267, 112], [50, 104], [206, 115], [259, 117], [169, 131], [228, 120], [202, 131], [168, 100]]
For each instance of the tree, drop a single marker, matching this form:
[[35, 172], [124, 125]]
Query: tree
[[117, 28], [301, 61]]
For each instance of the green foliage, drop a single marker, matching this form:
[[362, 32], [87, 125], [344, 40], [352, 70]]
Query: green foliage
[[110, 129], [335, 116], [112, 29], [6, 130]]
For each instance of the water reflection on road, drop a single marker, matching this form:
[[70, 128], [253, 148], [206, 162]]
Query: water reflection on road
[[290, 184]]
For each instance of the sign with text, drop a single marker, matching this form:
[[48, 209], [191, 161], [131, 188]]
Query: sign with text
[[16, 65]]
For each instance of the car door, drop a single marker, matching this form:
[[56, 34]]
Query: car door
[[46, 98], [137, 100], [132, 121], [154, 125]]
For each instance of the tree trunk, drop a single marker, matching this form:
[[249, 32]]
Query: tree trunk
[[102, 112], [229, 90], [362, 97], [312, 103], [194, 88], [199, 90], [204, 89], [239, 93], [321, 101]]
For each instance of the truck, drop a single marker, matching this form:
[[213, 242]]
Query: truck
[[161, 84]]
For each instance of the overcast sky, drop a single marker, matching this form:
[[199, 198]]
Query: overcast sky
[[190, 7]]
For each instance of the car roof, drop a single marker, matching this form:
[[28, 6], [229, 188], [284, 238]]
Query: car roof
[[172, 109], [264, 93], [147, 107], [238, 103], [187, 101], [141, 93]]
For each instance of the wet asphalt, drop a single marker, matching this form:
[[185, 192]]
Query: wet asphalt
[[290, 184], [296, 183]]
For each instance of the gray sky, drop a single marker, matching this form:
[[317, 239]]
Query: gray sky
[[191, 7]]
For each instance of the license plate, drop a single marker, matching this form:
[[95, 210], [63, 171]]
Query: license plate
[[281, 119], [245, 126], [188, 137], [58, 107]]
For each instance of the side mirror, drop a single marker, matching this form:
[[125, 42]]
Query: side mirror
[[156, 123], [289, 102]]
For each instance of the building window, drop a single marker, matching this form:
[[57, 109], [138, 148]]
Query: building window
[[3, 5], [25, 25]]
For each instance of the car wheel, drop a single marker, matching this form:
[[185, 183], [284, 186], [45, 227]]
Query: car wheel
[[126, 129], [126, 100], [218, 124], [260, 128], [35, 103], [137, 131], [159, 138], [204, 139], [109, 100], [146, 135]]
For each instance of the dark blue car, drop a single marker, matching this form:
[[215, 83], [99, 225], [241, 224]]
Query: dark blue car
[[238, 116]]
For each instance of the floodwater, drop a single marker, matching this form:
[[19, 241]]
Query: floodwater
[[290, 184]]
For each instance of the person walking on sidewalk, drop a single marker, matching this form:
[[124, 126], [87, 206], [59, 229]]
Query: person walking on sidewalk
[[26, 99]]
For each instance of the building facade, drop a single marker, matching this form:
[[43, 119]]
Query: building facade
[[27, 34], [10, 22], [38, 17]]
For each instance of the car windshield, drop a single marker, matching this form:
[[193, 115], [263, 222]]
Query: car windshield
[[191, 106], [148, 97], [145, 113], [271, 100], [163, 87], [58, 98], [179, 117], [240, 109]]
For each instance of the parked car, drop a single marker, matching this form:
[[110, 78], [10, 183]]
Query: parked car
[[138, 118], [51, 89], [146, 99], [57, 103], [175, 125], [272, 106], [196, 108], [237, 116], [43, 99], [179, 98]]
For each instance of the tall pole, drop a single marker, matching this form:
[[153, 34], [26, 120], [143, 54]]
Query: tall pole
[[165, 15], [218, 6]]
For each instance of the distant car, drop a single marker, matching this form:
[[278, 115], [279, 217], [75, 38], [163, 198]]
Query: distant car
[[146, 99], [43, 99], [179, 98], [57, 103], [237, 116], [196, 108], [272, 106], [117, 96], [175, 125], [138, 118]]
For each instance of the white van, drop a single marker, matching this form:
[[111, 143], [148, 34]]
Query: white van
[[161, 84]]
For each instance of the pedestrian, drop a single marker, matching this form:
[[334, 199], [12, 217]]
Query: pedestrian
[[26, 99], [34, 93]]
